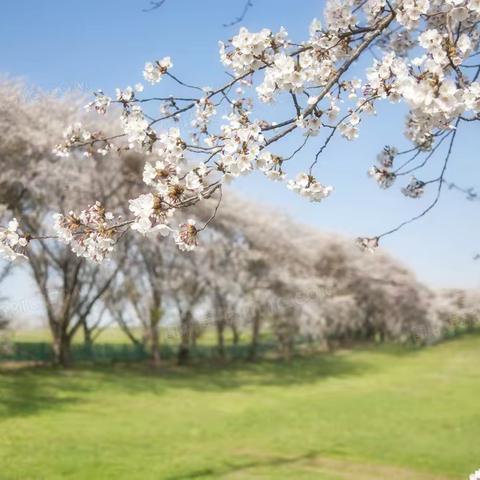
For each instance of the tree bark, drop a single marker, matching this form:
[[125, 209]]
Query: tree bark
[[155, 316], [62, 349], [252, 355], [185, 335], [87, 335], [286, 346], [221, 338], [235, 334]]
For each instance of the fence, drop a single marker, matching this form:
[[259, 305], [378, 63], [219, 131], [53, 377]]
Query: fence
[[107, 352], [43, 352]]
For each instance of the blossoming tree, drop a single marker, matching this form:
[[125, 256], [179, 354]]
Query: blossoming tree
[[34, 185]]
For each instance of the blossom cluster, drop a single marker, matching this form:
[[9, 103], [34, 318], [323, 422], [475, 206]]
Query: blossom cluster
[[154, 211], [311, 125], [383, 173], [383, 176], [430, 84], [475, 475], [187, 236], [12, 243], [414, 189], [91, 234], [242, 142], [153, 72], [349, 129], [173, 181], [307, 186], [136, 128], [271, 165], [100, 104], [284, 74], [171, 176], [73, 135], [367, 244], [313, 65], [204, 111], [249, 51], [151, 214]]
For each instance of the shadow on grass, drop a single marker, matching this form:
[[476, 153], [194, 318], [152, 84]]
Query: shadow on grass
[[25, 391], [239, 467]]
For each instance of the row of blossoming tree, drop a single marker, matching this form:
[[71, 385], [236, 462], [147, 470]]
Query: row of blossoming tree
[[250, 277]]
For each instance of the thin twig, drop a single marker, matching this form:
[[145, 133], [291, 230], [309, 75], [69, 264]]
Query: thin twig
[[437, 196], [154, 5], [214, 214], [246, 7]]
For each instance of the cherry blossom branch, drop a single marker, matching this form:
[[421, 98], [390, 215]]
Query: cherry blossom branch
[[436, 88], [154, 5], [357, 52], [214, 214], [437, 196], [239, 19], [470, 192], [427, 158]]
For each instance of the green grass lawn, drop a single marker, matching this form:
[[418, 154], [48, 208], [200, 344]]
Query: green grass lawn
[[369, 413]]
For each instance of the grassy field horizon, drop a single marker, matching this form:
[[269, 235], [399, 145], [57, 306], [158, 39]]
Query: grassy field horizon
[[367, 413], [169, 335]]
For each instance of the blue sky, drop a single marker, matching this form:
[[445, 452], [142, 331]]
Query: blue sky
[[88, 44]]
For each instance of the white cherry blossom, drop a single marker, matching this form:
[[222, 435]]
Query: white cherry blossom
[[307, 186], [186, 237], [151, 215], [415, 189], [90, 234], [12, 243], [475, 475], [153, 72]]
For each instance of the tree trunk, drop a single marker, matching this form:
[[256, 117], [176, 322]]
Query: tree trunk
[[195, 333], [381, 336], [155, 337], [221, 338], [155, 346], [87, 335], [235, 334], [61, 349], [252, 355], [286, 351], [185, 336], [286, 346]]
